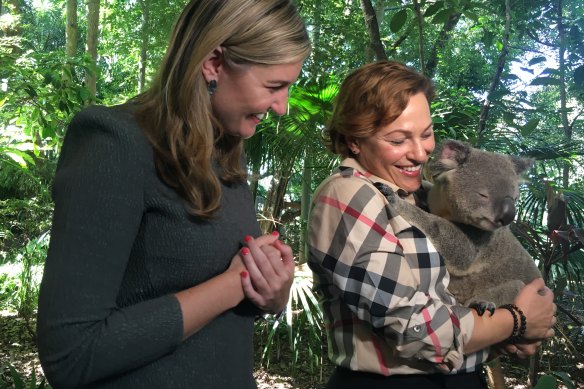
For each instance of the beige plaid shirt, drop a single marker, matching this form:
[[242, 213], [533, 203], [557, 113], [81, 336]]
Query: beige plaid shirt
[[382, 283]]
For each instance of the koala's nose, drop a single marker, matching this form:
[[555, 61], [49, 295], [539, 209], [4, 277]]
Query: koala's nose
[[506, 211]]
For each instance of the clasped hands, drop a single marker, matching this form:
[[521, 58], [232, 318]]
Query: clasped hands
[[266, 266]]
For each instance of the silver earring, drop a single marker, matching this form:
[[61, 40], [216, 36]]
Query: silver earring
[[212, 87]]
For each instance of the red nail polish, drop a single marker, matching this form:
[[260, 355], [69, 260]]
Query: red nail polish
[[275, 233], [247, 238], [245, 251], [244, 274]]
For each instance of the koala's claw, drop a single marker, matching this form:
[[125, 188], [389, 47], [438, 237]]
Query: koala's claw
[[482, 306], [386, 191]]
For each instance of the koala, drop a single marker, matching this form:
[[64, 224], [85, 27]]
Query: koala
[[472, 203]]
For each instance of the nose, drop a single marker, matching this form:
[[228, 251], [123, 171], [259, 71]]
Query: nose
[[506, 211], [280, 104], [418, 152]]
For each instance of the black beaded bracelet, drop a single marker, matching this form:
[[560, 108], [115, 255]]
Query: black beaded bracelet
[[515, 322], [519, 326], [523, 325]]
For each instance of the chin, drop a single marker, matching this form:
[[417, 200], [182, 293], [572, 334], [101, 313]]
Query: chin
[[411, 187]]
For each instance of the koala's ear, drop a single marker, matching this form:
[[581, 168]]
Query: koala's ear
[[522, 164], [447, 156], [454, 150]]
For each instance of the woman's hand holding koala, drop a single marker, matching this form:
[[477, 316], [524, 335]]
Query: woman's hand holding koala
[[537, 303]]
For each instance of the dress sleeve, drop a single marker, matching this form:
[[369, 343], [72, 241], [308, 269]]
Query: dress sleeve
[[353, 238], [83, 336]]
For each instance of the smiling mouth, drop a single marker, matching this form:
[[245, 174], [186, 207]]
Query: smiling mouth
[[410, 168], [259, 116]]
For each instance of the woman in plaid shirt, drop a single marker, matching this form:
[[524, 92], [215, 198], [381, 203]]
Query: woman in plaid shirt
[[390, 319]]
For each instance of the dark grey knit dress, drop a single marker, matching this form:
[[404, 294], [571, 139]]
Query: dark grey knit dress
[[121, 245]]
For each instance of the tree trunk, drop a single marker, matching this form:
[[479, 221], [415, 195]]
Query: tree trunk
[[145, 6], [275, 201], [373, 28], [316, 50], [440, 43], [305, 205], [71, 29], [497, 76], [92, 39], [563, 96], [420, 19]]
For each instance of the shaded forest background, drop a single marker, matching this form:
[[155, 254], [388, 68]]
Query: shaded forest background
[[509, 76]]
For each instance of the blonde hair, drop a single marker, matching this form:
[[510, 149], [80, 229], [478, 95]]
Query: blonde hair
[[176, 111], [372, 97]]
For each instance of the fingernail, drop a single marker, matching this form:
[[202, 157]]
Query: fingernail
[[245, 251], [244, 274], [275, 233], [247, 238]]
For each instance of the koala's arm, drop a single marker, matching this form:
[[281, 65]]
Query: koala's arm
[[454, 246], [503, 268]]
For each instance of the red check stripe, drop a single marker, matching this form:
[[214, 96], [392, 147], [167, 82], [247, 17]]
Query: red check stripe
[[433, 336], [359, 216], [383, 369]]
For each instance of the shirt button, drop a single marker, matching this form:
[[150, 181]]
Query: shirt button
[[417, 329]]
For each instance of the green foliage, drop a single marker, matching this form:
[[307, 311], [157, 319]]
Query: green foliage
[[22, 221], [43, 93], [550, 381], [21, 381], [300, 325], [546, 382], [20, 279]]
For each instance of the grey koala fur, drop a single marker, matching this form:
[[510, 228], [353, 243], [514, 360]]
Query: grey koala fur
[[472, 203]]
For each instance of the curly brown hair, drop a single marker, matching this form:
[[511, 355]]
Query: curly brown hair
[[372, 97]]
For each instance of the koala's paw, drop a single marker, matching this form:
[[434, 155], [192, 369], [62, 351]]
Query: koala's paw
[[386, 191], [482, 306]]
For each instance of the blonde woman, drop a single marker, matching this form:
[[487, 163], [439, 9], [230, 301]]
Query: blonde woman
[[155, 270]]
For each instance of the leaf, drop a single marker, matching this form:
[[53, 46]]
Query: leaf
[[487, 38], [398, 21], [579, 76], [509, 118], [84, 94], [18, 382], [30, 91], [545, 81], [551, 71], [565, 379], [546, 382], [529, 127], [433, 9], [443, 16], [536, 60], [471, 15]]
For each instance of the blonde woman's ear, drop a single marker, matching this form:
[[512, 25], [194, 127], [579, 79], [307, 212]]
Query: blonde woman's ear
[[212, 64]]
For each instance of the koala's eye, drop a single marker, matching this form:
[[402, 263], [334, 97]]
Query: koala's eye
[[483, 195]]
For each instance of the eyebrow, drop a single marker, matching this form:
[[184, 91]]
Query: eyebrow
[[282, 82], [407, 131]]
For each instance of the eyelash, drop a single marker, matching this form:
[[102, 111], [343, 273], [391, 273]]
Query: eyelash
[[425, 135]]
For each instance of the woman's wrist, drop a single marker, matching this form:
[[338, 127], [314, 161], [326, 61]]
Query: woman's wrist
[[489, 330]]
